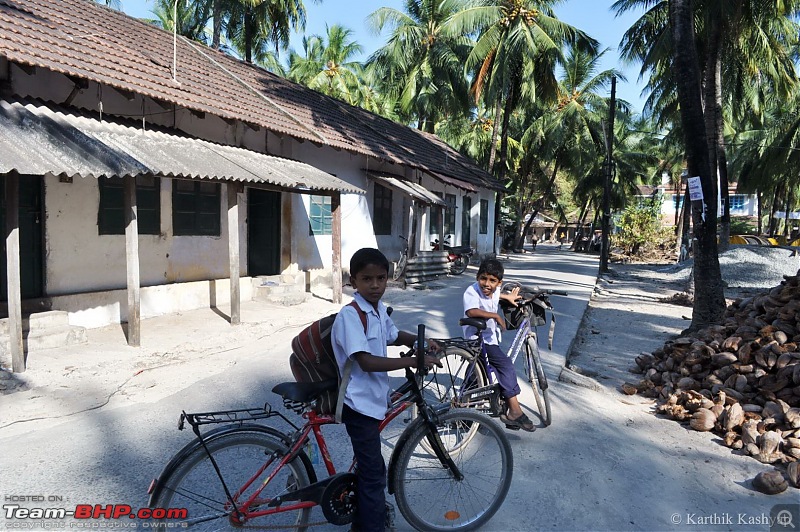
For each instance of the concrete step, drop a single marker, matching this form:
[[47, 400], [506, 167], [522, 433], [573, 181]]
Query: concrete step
[[39, 321], [38, 339], [286, 289], [289, 299]]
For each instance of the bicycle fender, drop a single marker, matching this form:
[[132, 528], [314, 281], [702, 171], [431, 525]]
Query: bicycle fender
[[212, 435], [398, 447]]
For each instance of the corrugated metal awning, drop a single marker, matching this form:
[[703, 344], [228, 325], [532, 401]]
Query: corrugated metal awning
[[35, 139], [416, 191]]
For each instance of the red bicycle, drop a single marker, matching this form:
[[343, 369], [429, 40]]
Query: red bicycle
[[450, 468]]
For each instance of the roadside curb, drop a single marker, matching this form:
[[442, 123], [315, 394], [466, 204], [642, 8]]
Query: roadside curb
[[571, 374]]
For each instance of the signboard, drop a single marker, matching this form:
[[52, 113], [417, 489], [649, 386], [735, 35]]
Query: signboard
[[695, 189]]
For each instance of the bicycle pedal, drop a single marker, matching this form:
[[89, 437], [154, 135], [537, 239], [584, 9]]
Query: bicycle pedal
[[512, 427]]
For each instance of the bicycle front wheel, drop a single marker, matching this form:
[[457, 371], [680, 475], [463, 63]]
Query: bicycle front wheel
[[538, 380], [427, 494], [245, 459]]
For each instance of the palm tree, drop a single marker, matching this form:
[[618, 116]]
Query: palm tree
[[709, 301], [191, 21], [422, 63], [571, 130], [515, 56], [327, 66], [258, 27]]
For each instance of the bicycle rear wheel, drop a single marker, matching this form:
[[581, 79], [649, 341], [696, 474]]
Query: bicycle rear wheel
[[400, 268], [538, 380], [459, 375], [428, 496], [193, 484], [459, 265]]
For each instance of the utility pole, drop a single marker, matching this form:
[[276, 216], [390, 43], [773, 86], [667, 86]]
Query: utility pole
[[608, 167]]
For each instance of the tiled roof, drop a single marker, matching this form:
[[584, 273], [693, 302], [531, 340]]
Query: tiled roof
[[84, 40]]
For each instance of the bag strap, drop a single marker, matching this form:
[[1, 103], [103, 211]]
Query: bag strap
[[552, 331], [348, 367]]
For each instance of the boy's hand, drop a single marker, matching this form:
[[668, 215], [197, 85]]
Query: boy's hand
[[433, 346], [432, 361], [512, 296], [501, 321]]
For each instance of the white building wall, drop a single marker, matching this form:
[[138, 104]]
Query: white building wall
[[78, 259]]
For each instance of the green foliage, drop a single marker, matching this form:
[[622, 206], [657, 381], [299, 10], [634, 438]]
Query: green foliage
[[743, 225], [640, 232]]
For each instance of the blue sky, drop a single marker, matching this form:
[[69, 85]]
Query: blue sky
[[592, 16]]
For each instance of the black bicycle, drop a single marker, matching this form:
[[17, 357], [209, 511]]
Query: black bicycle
[[466, 378]]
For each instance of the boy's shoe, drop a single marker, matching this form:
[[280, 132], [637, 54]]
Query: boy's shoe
[[522, 422]]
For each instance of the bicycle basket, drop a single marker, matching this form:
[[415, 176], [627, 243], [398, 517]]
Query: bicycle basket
[[533, 309]]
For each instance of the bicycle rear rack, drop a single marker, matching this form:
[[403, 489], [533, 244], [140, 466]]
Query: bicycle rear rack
[[230, 416]]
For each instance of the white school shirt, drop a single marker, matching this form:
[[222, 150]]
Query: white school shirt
[[474, 298], [366, 392]]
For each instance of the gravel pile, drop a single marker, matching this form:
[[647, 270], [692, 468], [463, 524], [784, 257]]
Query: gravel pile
[[744, 267]]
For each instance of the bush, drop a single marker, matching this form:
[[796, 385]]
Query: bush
[[640, 234]]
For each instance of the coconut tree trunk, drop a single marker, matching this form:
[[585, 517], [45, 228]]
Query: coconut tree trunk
[[539, 202], [498, 108], [217, 23], [709, 301], [759, 209]]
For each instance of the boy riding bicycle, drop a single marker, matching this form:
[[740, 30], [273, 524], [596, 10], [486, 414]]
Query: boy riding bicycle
[[367, 393], [482, 300]]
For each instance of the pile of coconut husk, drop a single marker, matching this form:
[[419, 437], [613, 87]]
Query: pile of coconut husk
[[740, 379]]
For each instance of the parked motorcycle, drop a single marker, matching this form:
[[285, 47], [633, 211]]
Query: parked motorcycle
[[458, 256]]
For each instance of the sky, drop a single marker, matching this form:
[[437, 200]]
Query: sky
[[592, 16]]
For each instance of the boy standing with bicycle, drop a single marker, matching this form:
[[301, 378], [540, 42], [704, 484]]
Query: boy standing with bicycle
[[482, 300], [361, 351]]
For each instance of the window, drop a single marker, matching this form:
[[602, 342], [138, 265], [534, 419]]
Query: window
[[195, 208], [111, 212], [319, 217], [484, 217], [450, 214], [737, 202], [382, 207]]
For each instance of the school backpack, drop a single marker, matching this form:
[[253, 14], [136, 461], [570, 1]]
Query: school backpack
[[312, 360]]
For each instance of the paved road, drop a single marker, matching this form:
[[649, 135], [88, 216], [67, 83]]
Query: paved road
[[601, 465]]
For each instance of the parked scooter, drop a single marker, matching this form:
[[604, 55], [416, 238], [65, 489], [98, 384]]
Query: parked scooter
[[459, 256]]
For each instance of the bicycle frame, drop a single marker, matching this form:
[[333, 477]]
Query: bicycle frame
[[405, 396]]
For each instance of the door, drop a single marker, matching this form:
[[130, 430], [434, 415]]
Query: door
[[263, 232], [31, 217], [466, 221]]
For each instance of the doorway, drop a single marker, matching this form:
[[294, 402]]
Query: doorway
[[263, 232], [466, 221], [31, 233]]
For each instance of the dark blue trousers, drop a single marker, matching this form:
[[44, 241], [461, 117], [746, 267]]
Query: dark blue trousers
[[370, 470], [504, 369]]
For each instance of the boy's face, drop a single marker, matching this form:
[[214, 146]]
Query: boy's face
[[488, 283], [371, 282]]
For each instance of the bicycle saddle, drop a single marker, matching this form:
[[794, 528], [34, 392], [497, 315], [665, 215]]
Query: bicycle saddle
[[304, 392], [478, 323]]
